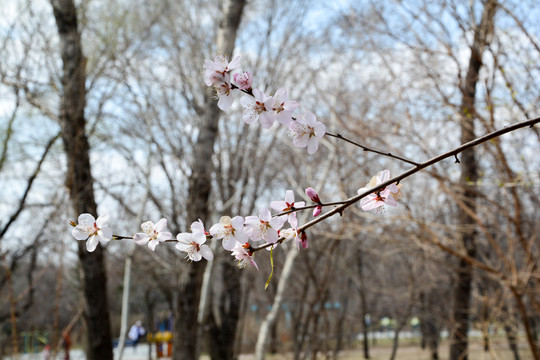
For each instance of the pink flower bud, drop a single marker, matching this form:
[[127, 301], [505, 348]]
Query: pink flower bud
[[243, 80], [317, 211], [303, 238], [312, 194]]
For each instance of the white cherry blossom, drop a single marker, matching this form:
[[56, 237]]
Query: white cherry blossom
[[288, 205], [224, 91], [193, 243], [283, 108], [152, 234], [258, 107], [380, 198], [307, 131], [244, 255], [220, 65], [92, 230], [230, 230], [264, 227]]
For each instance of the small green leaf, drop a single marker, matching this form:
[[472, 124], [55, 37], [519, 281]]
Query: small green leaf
[[272, 266]]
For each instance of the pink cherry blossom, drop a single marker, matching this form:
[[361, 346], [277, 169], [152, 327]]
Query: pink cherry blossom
[[193, 243], [288, 205], [92, 230], [224, 91], [282, 107], [244, 255], [220, 65], [303, 240], [230, 230], [312, 194], [264, 227], [152, 234], [299, 237], [307, 132], [243, 80], [381, 197], [258, 107]]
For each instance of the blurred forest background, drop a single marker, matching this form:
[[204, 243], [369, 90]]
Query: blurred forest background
[[414, 78]]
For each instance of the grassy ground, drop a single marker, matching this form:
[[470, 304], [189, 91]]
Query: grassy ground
[[499, 351]]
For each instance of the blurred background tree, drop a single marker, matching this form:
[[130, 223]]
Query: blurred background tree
[[392, 75]]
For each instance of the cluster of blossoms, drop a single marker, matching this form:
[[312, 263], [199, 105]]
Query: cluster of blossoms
[[261, 107], [239, 234], [235, 232]]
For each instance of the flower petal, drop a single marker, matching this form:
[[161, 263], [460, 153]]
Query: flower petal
[[225, 102], [92, 243], [106, 234], [228, 243], [300, 140], [160, 225], [319, 129], [182, 246], [102, 220], [237, 222], [141, 238], [265, 215], [390, 201], [152, 244], [79, 233], [86, 220], [312, 145], [164, 235], [289, 196], [278, 205]]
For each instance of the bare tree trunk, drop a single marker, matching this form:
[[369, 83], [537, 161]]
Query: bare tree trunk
[[469, 174], [222, 336], [363, 305], [395, 341], [125, 304], [186, 324], [79, 178], [525, 321], [511, 336], [343, 311], [428, 326]]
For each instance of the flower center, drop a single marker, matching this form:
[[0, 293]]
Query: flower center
[[95, 229], [279, 107], [259, 107], [196, 246]]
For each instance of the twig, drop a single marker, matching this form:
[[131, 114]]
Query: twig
[[365, 148], [406, 174]]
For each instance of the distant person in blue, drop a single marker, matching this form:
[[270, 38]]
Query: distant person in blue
[[136, 332]]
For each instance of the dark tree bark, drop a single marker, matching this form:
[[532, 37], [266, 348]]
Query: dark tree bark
[[79, 178], [186, 326], [469, 175], [429, 324], [363, 304], [222, 335], [343, 311], [511, 336]]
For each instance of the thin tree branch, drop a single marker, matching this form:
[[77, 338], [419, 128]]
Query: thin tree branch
[[28, 186], [365, 148], [406, 174]]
